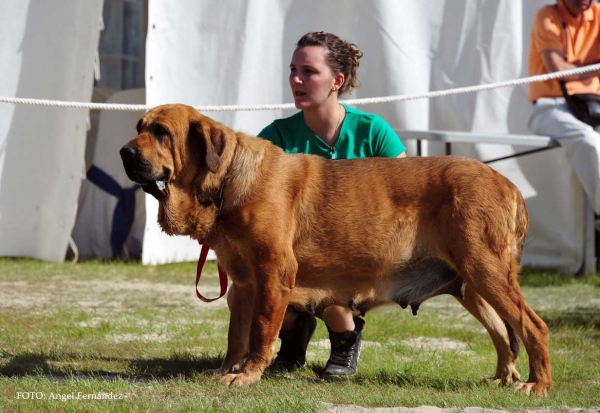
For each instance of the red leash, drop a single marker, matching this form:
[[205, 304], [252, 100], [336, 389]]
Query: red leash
[[222, 274]]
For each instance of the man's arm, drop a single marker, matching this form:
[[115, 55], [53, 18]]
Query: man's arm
[[555, 61]]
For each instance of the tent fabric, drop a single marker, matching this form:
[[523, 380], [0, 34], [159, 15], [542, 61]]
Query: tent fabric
[[112, 214], [233, 52], [48, 50]]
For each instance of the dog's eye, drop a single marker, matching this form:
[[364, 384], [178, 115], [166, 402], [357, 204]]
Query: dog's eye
[[159, 132]]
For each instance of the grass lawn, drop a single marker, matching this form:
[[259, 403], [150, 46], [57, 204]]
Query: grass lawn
[[138, 337]]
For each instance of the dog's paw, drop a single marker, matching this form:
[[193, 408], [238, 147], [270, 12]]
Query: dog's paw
[[241, 379], [507, 381], [227, 379], [507, 378], [224, 369], [539, 389]]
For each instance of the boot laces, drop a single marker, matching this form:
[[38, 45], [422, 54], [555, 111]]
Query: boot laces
[[342, 356]]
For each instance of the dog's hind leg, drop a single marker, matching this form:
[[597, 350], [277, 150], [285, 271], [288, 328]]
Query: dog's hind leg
[[501, 333], [497, 284], [486, 251]]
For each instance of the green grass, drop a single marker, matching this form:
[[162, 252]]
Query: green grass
[[140, 333]]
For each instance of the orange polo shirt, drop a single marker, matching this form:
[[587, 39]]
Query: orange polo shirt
[[582, 47]]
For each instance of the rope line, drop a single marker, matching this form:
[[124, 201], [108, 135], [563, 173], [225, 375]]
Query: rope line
[[363, 101]]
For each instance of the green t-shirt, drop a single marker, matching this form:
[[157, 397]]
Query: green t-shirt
[[362, 135]]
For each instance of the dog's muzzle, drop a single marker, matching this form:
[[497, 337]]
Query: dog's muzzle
[[139, 170]]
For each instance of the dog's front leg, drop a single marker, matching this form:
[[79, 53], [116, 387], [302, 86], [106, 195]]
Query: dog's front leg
[[271, 296], [241, 303]]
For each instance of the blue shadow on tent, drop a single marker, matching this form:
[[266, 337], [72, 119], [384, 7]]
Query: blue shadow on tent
[[124, 210]]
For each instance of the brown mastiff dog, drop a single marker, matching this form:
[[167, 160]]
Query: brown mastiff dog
[[303, 231]]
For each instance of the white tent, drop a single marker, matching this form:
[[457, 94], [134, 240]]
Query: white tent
[[47, 51], [237, 52]]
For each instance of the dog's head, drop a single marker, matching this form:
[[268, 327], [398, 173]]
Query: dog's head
[[180, 157]]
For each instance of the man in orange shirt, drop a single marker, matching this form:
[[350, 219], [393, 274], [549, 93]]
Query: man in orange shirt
[[565, 36]]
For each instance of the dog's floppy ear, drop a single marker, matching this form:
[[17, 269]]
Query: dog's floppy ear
[[209, 140]]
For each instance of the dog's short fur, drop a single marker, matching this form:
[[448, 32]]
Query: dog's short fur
[[307, 232]]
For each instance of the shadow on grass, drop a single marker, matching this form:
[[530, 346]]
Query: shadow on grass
[[586, 317], [409, 380], [531, 277], [186, 367], [65, 367], [380, 377], [176, 366]]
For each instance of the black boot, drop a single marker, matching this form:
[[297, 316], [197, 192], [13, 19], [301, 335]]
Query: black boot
[[345, 350], [294, 342]]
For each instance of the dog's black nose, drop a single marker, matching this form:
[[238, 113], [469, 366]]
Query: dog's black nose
[[128, 153]]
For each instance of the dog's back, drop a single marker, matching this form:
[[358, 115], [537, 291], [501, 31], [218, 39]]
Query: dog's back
[[392, 211]]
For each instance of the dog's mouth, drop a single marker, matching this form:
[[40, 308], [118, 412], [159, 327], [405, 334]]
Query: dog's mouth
[[158, 188], [141, 172]]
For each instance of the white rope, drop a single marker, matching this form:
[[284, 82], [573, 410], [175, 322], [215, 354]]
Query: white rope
[[79, 105], [479, 88], [364, 101]]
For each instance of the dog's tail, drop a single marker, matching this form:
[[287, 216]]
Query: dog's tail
[[519, 227], [521, 220]]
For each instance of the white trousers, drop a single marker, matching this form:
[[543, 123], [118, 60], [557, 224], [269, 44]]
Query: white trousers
[[552, 117]]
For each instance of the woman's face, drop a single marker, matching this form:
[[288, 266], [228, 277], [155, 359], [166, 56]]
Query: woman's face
[[311, 78]]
